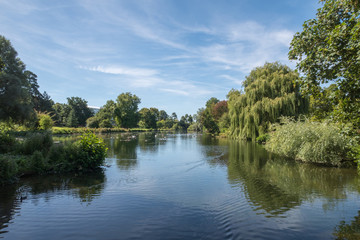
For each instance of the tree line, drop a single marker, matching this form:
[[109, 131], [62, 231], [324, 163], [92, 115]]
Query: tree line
[[23, 103]]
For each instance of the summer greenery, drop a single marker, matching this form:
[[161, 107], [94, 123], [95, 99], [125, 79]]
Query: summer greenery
[[309, 114]]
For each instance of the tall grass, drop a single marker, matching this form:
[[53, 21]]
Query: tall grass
[[313, 142]]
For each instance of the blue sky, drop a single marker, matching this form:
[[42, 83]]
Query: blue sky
[[173, 54]]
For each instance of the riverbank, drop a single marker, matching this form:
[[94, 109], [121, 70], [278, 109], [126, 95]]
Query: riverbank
[[38, 154]]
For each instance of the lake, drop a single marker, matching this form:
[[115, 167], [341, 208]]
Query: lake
[[185, 186]]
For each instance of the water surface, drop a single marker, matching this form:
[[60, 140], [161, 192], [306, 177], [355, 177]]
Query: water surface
[[185, 186]]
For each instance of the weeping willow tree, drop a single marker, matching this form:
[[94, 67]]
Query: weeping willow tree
[[271, 91]]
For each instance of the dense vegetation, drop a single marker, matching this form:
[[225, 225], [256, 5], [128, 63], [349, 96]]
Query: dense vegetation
[[316, 142], [327, 94], [38, 154]]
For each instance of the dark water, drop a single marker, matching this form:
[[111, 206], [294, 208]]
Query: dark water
[[186, 187]]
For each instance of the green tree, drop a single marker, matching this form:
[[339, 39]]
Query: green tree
[[45, 121], [61, 113], [72, 120], [270, 92], [148, 118], [207, 120], [327, 50], [174, 116], [322, 106], [126, 111], [163, 115], [80, 110], [105, 116], [15, 90]]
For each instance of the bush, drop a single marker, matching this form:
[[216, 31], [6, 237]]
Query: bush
[[38, 162], [311, 142], [106, 123], [263, 138], [7, 142], [86, 154], [8, 169], [45, 121], [92, 122], [36, 142]]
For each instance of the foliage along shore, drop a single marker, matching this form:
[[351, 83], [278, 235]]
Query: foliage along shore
[[325, 87], [38, 154]]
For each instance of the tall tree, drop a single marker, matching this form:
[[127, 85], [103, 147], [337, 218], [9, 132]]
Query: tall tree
[[15, 96], [328, 50], [79, 111], [148, 118], [163, 115], [270, 92], [41, 101], [126, 111]]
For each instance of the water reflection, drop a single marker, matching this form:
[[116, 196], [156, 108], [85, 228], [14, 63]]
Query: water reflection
[[278, 185], [124, 148], [350, 231], [32, 189]]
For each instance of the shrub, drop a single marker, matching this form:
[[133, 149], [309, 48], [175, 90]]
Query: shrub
[[7, 142], [45, 121], [86, 154], [36, 142], [8, 168], [106, 123], [311, 142], [263, 138], [92, 122], [38, 162]]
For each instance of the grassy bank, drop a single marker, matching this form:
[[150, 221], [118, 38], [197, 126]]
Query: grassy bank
[[314, 142], [36, 153]]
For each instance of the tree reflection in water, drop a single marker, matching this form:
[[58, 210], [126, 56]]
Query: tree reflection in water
[[275, 185], [35, 188], [350, 231]]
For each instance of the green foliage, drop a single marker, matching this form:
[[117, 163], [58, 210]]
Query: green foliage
[[314, 142], [79, 112], [106, 115], [195, 127], [93, 151], [263, 138], [8, 169], [15, 90], [45, 121], [105, 123], [349, 231], [36, 142], [38, 162], [92, 122], [148, 118], [125, 112], [42, 156], [323, 105], [61, 112], [327, 50], [270, 92], [208, 122], [7, 142]]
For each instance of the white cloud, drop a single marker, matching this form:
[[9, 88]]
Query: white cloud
[[120, 70], [179, 92]]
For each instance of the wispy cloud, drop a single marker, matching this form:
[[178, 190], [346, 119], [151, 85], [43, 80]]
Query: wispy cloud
[[179, 92], [135, 72]]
